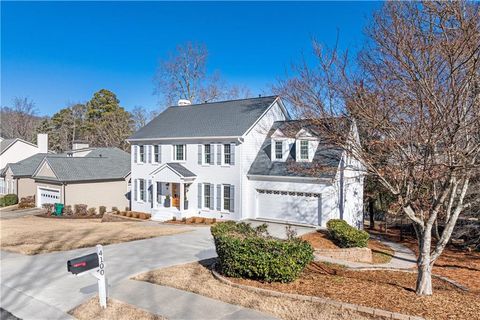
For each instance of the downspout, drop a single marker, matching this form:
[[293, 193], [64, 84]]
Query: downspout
[[64, 195], [240, 142], [342, 186]]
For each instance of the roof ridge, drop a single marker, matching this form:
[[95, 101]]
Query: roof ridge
[[223, 101]]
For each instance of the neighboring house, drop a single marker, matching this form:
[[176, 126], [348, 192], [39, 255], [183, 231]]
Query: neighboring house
[[14, 150], [217, 160], [97, 178]]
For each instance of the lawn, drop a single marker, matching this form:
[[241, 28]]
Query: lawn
[[196, 277], [34, 235], [115, 310]]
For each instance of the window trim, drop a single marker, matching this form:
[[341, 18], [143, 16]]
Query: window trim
[[224, 163], [141, 153], [301, 158], [141, 185], [156, 153], [276, 142], [204, 154], [174, 153], [223, 209], [206, 186]]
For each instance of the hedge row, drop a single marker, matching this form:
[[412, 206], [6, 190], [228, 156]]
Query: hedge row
[[346, 236], [8, 200], [247, 252]]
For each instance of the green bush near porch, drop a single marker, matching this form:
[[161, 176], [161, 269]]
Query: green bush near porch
[[247, 252], [8, 200]]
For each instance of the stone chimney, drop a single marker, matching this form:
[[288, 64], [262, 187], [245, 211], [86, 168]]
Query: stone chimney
[[42, 142], [77, 144]]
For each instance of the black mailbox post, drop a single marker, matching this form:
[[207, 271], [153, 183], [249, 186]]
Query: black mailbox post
[[83, 263]]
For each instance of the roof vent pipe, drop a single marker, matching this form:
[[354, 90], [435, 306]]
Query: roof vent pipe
[[183, 102]]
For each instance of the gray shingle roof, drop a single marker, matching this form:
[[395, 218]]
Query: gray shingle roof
[[224, 118], [5, 144], [27, 167], [112, 164], [181, 170], [324, 164]]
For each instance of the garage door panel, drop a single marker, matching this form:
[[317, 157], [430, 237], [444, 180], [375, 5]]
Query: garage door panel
[[294, 208], [48, 196]]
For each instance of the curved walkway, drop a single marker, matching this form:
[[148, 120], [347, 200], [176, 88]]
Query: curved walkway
[[403, 259]]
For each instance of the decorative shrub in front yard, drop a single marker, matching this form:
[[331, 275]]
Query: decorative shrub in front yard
[[247, 252], [8, 200], [346, 236]]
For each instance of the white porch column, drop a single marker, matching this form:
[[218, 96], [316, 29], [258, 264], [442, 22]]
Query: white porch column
[[154, 194], [182, 196]]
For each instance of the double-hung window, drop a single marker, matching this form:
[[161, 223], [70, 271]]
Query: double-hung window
[[226, 198], [156, 153], [227, 155], [142, 154], [141, 189], [304, 150], [207, 153], [278, 150], [179, 152], [207, 197]]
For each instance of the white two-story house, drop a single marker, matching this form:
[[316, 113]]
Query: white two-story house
[[241, 159]]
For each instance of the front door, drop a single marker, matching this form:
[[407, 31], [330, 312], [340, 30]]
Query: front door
[[176, 195]]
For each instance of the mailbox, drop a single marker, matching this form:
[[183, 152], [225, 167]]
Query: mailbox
[[83, 263]]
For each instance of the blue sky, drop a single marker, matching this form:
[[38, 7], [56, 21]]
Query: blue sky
[[62, 52]]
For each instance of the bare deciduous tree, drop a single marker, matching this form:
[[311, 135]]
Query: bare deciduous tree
[[20, 121], [184, 76], [415, 96]]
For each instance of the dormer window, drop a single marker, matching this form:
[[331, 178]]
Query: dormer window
[[303, 150], [278, 150]]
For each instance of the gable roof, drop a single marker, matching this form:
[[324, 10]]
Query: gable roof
[[325, 160], [7, 143], [105, 164], [216, 119], [177, 168]]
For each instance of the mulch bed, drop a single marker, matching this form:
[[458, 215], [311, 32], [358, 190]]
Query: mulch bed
[[461, 266], [388, 290], [319, 240], [97, 216], [194, 220]]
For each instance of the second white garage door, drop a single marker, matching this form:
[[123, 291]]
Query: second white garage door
[[48, 196], [289, 206]]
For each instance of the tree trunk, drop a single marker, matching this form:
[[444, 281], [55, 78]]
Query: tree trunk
[[424, 278], [371, 213]]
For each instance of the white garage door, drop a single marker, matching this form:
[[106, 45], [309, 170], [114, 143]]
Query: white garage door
[[48, 196], [297, 207]]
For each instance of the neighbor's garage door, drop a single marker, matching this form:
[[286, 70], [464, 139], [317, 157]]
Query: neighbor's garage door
[[48, 196], [289, 206]]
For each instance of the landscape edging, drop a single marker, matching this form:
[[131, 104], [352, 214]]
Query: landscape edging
[[343, 305]]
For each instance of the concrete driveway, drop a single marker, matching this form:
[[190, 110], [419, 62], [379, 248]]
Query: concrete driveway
[[39, 287], [13, 213]]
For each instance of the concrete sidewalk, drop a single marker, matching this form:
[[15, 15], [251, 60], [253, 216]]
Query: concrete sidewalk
[[176, 304]]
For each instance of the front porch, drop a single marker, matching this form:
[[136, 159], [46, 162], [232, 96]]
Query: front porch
[[169, 191]]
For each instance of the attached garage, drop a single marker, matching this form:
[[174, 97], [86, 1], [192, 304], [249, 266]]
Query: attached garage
[[296, 207], [47, 195]]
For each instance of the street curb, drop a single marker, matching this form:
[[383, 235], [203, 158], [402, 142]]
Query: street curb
[[342, 305]]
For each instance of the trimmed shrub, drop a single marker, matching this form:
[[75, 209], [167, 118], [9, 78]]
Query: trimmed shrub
[[247, 252], [346, 236], [49, 207], [129, 214], [135, 215], [80, 209], [102, 209], [148, 215], [174, 218], [115, 210], [8, 200], [92, 211], [142, 216], [67, 210]]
